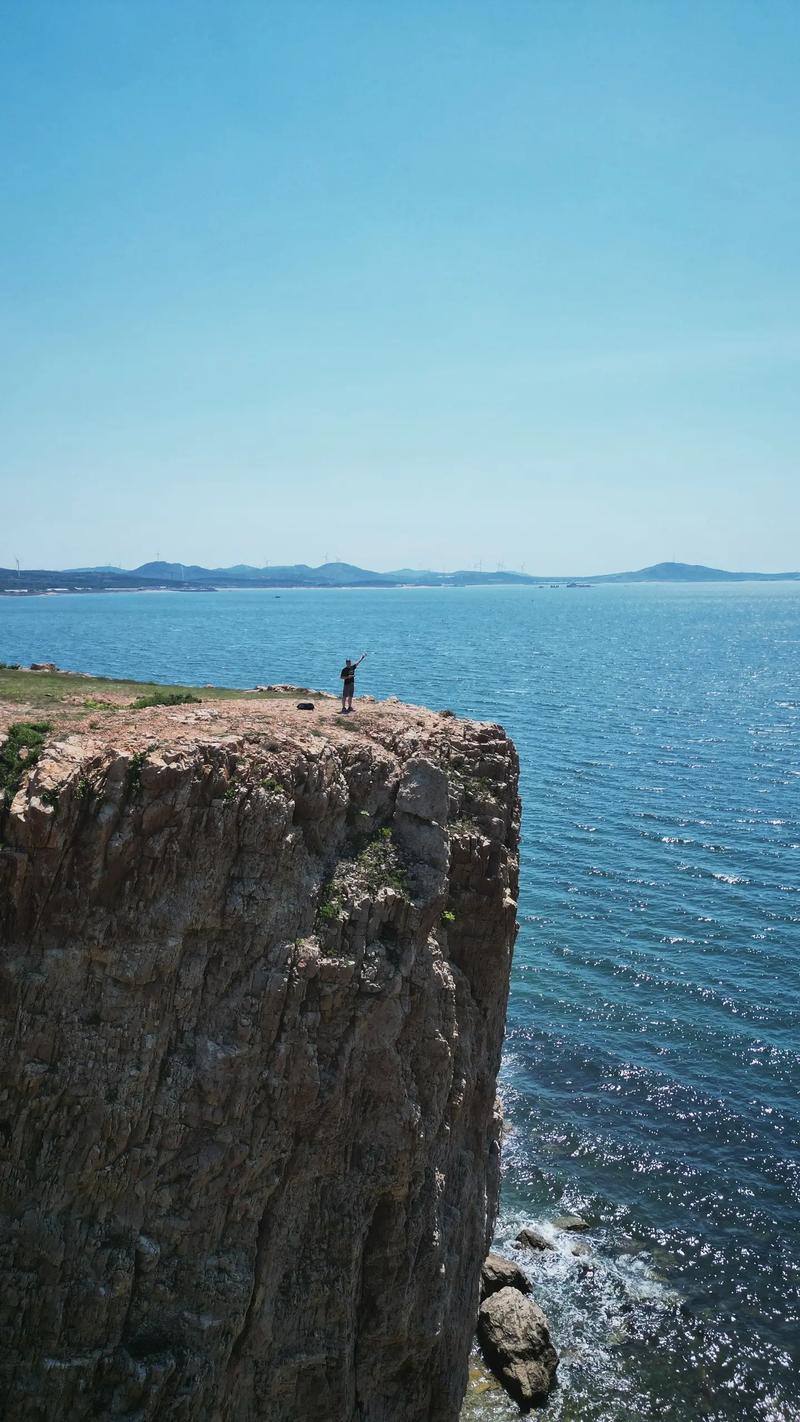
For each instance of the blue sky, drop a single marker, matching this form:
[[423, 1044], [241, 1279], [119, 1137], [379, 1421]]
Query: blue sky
[[414, 284]]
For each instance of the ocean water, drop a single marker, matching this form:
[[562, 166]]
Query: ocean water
[[651, 1065]]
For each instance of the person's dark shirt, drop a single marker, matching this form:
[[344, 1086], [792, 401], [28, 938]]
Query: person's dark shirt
[[348, 673]]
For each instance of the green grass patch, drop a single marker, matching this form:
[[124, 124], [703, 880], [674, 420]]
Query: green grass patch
[[165, 698], [19, 752], [50, 690]]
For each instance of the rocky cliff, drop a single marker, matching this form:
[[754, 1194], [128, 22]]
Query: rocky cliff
[[254, 971]]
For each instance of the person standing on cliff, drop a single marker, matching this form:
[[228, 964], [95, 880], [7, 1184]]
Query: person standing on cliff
[[348, 675]]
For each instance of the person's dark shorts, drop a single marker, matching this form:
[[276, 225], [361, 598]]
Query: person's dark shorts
[[349, 688]]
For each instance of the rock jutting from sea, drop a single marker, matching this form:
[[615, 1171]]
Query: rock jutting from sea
[[253, 981]]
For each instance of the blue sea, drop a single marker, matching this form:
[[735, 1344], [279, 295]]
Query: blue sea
[[651, 1066]]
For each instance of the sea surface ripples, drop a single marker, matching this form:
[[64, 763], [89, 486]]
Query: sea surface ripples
[[652, 1066]]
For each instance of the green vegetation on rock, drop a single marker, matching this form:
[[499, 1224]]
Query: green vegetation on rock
[[19, 752], [377, 865], [133, 778], [79, 696], [164, 698], [331, 905], [478, 788]]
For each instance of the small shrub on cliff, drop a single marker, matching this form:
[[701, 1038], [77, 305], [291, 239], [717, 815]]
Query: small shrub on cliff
[[331, 905], [133, 778], [18, 753], [479, 788], [164, 698], [379, 865]]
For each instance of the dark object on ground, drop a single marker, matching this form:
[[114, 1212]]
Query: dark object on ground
[[515, 1341], [499, 1273], [305, 706], [575, 1223], [532, 1239]]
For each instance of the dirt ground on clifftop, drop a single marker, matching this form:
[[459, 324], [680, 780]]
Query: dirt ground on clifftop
[[100, 710]]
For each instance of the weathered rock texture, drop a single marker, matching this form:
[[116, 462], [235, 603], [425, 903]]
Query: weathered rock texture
[[515, 1341], [248, 1064], [501, 1273], [532, 1239]]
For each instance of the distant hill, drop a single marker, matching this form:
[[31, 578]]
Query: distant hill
[[689, 573], [104, 568], [190, 577], [83, 580], [336, 574]]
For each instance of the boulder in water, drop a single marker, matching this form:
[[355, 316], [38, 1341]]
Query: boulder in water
[[515, 1341], [532, 1239], [499, 1273], [574, 1223]]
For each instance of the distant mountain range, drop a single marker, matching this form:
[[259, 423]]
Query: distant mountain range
[[189, 577]]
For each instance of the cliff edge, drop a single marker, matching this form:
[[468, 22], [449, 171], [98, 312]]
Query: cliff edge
[[254, 965]]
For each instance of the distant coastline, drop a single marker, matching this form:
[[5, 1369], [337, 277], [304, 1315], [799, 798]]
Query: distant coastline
[[180, 577]]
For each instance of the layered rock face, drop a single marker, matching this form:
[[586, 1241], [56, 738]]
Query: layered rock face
[[254, 979]]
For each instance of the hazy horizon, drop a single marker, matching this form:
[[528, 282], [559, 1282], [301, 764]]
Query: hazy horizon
[[512, 284], [372, 567]]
